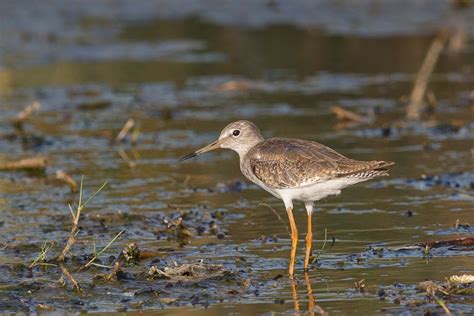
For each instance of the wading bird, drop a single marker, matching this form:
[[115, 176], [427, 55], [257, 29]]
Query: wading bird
[[293, 169]]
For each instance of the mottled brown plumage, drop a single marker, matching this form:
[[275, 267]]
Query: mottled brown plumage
[[291, 163]]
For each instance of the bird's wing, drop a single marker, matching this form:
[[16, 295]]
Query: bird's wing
[[291, 163]]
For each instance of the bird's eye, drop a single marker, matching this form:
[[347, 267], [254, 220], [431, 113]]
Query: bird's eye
[[236, 132]]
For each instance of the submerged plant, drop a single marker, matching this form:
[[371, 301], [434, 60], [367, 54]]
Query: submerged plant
[[320, 251]]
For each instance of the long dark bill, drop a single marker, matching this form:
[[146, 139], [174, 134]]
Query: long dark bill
[[211, 146], [188, 156]]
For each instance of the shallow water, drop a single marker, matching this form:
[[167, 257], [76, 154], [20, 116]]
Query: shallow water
[[182, 80]]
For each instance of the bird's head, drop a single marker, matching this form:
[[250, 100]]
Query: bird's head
[[239, 136]]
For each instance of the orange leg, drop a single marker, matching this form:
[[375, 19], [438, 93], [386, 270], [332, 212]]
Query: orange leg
[[309, 241], [294, 241]]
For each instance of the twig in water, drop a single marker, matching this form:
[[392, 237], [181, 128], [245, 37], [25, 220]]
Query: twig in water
[[135, 135], [28, 163], [186, 181], [465, 241], [131, 164], [360, 285], [97, 254], [233, 85], [66, 178], [75, 219], [416, 105], [69, 276], [344, 114], [124, 131], [25, 114], [113, 274], [278, 216], [431, 101]]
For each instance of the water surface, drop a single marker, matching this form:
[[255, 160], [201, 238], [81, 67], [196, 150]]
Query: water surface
[[182, 80]]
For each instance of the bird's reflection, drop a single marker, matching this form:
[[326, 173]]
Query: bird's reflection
[[294, 295], [309, 292]]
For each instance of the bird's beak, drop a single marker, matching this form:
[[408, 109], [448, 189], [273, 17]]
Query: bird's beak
[[214, 145]]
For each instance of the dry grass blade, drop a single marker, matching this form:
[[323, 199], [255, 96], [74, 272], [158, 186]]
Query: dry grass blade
[[25, 164], [416, 105], [278, 216]]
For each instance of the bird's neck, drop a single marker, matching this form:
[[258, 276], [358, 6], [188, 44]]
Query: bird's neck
[[243, 149]]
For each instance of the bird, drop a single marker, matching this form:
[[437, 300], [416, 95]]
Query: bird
[[293, 169]]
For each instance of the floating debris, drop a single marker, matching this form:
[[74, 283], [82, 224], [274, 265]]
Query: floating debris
[[233, 85], [360, 285], [176, 230], [129, 124], [464, 242], [452, 296], [188, 272], [182, 227], [461, 279], [130, 162], [131, 253], [96, 104], [231, 186], [22, 116], [350, 116], [114, 273], [25, 164], [66, 178]]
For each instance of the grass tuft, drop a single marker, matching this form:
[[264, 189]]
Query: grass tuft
[[75, 218], [41, 258], [98, 254]]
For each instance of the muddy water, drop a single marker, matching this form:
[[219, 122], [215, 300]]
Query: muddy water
[[182, 81]]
